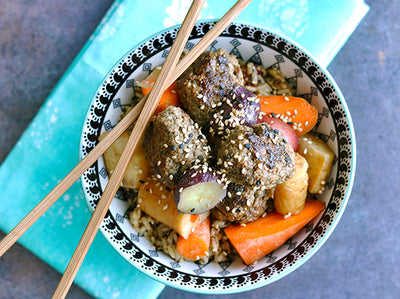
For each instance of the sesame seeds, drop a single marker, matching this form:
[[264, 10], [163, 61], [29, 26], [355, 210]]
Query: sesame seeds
[[165, 207]]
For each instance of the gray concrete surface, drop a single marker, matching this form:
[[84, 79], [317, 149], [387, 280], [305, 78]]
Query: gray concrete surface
[[361, 258]]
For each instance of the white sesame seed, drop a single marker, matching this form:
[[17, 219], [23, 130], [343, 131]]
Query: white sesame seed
[[165, 207]]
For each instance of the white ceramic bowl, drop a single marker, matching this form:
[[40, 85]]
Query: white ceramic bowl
[[334, 126]]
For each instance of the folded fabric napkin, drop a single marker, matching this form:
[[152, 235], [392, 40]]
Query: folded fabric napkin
[[48, 149]]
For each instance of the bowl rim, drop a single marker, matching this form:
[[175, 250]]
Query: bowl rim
[[329, 230]]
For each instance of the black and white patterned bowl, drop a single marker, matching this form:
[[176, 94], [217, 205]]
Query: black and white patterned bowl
[[334, 126]]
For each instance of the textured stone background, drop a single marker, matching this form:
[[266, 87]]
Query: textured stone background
[[38, 41]]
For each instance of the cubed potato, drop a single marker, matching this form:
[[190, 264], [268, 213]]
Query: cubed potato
[[290, 196], [157, 200], [319, 158], [138, 167]]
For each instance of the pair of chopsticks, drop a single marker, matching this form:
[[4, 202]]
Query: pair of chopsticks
[[170, 71]]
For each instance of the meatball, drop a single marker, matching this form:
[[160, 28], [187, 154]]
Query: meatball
[[257, 156], [244, 204], [202, 86], [173, 143]]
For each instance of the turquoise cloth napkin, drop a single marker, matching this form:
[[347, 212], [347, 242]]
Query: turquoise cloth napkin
[[48, 149]]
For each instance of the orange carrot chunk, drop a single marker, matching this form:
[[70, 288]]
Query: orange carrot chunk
[[266, 234], [170, 96], [197, 243], [301, 115]]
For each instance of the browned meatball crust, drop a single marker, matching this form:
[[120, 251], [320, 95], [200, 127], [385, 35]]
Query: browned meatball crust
[[173, 143], [258, 156], [244, 204], [202, 86]]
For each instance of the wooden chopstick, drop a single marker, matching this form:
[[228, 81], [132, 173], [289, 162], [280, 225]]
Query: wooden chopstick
[[136, 134], [121, 127]]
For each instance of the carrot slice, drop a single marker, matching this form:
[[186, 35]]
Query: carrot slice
[[197, 243], [170, 96], [266, 234], [301, 115]]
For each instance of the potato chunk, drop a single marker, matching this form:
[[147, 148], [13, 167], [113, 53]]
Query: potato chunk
[[319, 158], [290, 196], [138, 167], [157, 200]]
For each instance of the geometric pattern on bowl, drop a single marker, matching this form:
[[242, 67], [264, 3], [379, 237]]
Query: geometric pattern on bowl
[[334, 126]]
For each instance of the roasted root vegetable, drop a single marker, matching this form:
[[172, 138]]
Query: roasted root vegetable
[[241, 106], [170, 96], [319, 158], [266, 234], [196, 245], [157, 200], [295, 111], [138, 167], [199, 190], [287, 131], [290, 196]]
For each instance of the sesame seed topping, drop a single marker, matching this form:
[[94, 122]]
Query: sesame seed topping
[[165, 207]]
